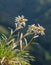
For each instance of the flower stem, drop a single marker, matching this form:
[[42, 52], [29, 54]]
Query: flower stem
[[28, 44]]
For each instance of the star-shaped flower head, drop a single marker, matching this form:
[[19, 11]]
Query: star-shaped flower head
[[21, 20], [31, 28], [40, 30]]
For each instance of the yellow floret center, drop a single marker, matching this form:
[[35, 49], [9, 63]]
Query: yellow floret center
[[21, 20], [39, 29], [33, 27]]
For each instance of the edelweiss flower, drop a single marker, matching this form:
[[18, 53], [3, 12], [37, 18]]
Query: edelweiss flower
[[32, 28], [20, 20], [40, 30]]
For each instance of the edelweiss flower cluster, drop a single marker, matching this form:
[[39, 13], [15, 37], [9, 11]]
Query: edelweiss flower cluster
[[36, 29], [20, 21]]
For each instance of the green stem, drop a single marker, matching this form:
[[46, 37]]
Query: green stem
[[27, 34], [28, 44]]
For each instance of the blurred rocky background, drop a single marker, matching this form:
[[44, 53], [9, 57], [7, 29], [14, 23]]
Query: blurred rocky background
[[37, 11]]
